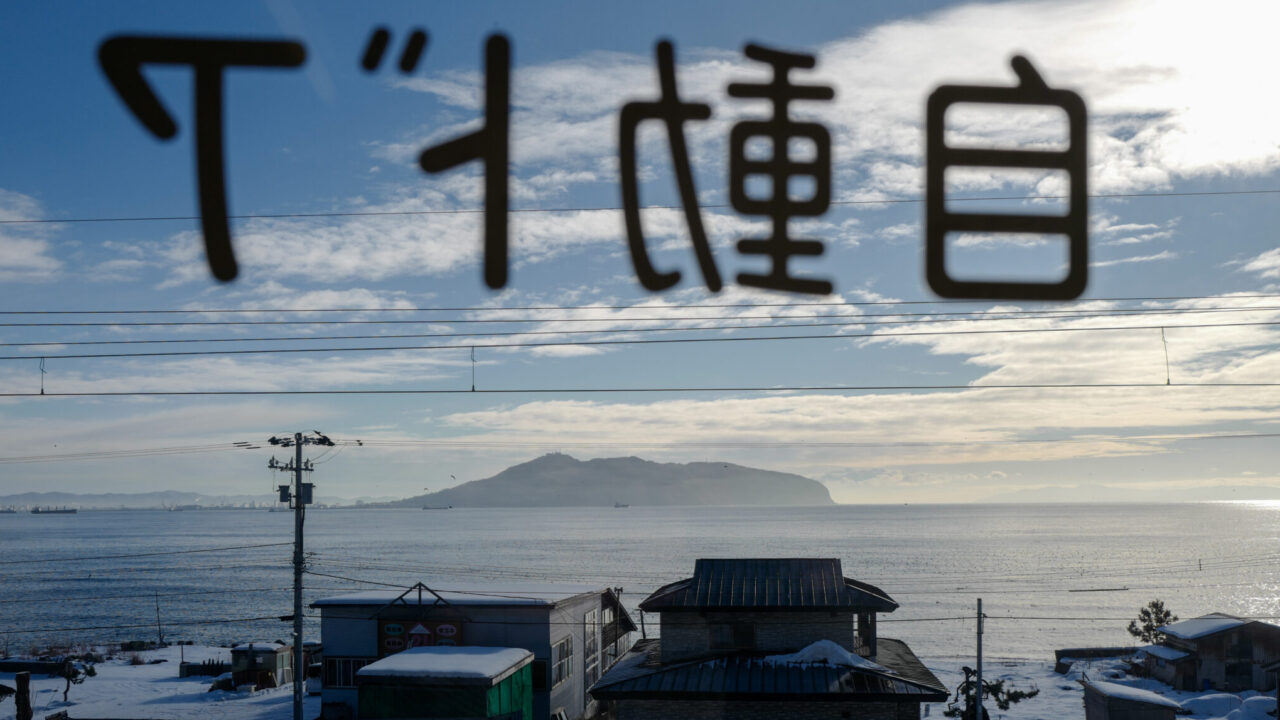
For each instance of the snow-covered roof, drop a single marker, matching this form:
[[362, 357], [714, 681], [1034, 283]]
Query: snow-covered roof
[[504, 594], [1201, 626], [258, 646], [456, 662], [1124, 692], [825, 651], [1163, 652]]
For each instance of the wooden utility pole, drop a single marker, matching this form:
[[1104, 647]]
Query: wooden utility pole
[[159, 627], [977, 698]]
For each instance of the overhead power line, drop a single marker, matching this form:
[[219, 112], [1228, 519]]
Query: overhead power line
[[856, 321], [925, 316], [140, 452], [674, 390], [83, 558], [627, 341], [151, 452], [664, 306], [707, 206], [168, 623], [45, 600]]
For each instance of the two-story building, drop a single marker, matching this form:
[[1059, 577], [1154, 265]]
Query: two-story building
[[575, 632], [775, 638], [1215, 651]]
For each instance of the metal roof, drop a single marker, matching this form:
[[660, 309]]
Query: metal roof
[[1164, 653], [816, 583], [1199, 627], [545, 594], [744, 677]]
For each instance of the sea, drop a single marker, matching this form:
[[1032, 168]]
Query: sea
[[1049, 576]]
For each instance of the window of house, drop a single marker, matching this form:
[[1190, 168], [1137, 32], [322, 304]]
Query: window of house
[[733, 636], [340, 672], [562, 661]]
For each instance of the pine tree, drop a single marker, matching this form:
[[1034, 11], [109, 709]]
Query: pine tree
[[1150, 619], [993, 691]]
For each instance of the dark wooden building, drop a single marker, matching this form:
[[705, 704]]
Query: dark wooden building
[[1216, 651], [777, 638]]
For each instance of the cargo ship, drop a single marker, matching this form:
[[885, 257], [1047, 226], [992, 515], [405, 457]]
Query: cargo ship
[[53, 511]]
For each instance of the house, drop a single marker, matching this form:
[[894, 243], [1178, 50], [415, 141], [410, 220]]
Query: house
[[575, 632], [1112, 701], [261, 664], [776, 638], [448, 682], [1215, 651]]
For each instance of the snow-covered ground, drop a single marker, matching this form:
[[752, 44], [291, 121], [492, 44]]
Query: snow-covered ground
[[156, 691], [1062, 697]]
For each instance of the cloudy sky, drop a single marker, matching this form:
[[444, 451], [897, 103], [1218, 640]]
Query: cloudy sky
[[1156, 384]]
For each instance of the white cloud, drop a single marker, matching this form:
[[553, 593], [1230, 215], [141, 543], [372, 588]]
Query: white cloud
[[1266, 264], [1163, 255], [1160, 107], [26, 253]]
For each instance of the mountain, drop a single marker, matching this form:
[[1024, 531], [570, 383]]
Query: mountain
[[558, 480]]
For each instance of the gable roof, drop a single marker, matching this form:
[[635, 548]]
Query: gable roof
[[769, 583], [533, 594], [738, 676], [1202, 626]]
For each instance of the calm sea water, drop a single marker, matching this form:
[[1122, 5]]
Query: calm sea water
[[1050, 575]]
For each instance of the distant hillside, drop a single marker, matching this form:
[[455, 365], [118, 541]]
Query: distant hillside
[[558, 480]]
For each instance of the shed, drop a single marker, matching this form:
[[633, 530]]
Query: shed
[[261, 664], [448, 682], [1112, 701]]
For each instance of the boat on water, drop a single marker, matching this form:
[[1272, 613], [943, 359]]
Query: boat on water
[[621, 505], [54, 511], [437, 507]]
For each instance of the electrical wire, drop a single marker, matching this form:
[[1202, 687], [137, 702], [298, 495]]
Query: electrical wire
[[647, 390], [704, 328], [343, 443], [632, 341], [664, 306], [225, 621], [707, 206], [932, 317], [139, 452], [82, 558]]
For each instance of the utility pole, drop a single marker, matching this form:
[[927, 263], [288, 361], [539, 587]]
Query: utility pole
[[977, 700], [159, 629], [300, 497]]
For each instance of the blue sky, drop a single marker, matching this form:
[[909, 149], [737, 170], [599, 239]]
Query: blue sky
[[1178, 116]]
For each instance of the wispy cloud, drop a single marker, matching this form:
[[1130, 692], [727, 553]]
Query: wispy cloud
[[26, 252]]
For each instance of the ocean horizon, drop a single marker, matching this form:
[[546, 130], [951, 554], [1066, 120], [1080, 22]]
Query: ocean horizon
[[1050, 575]]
